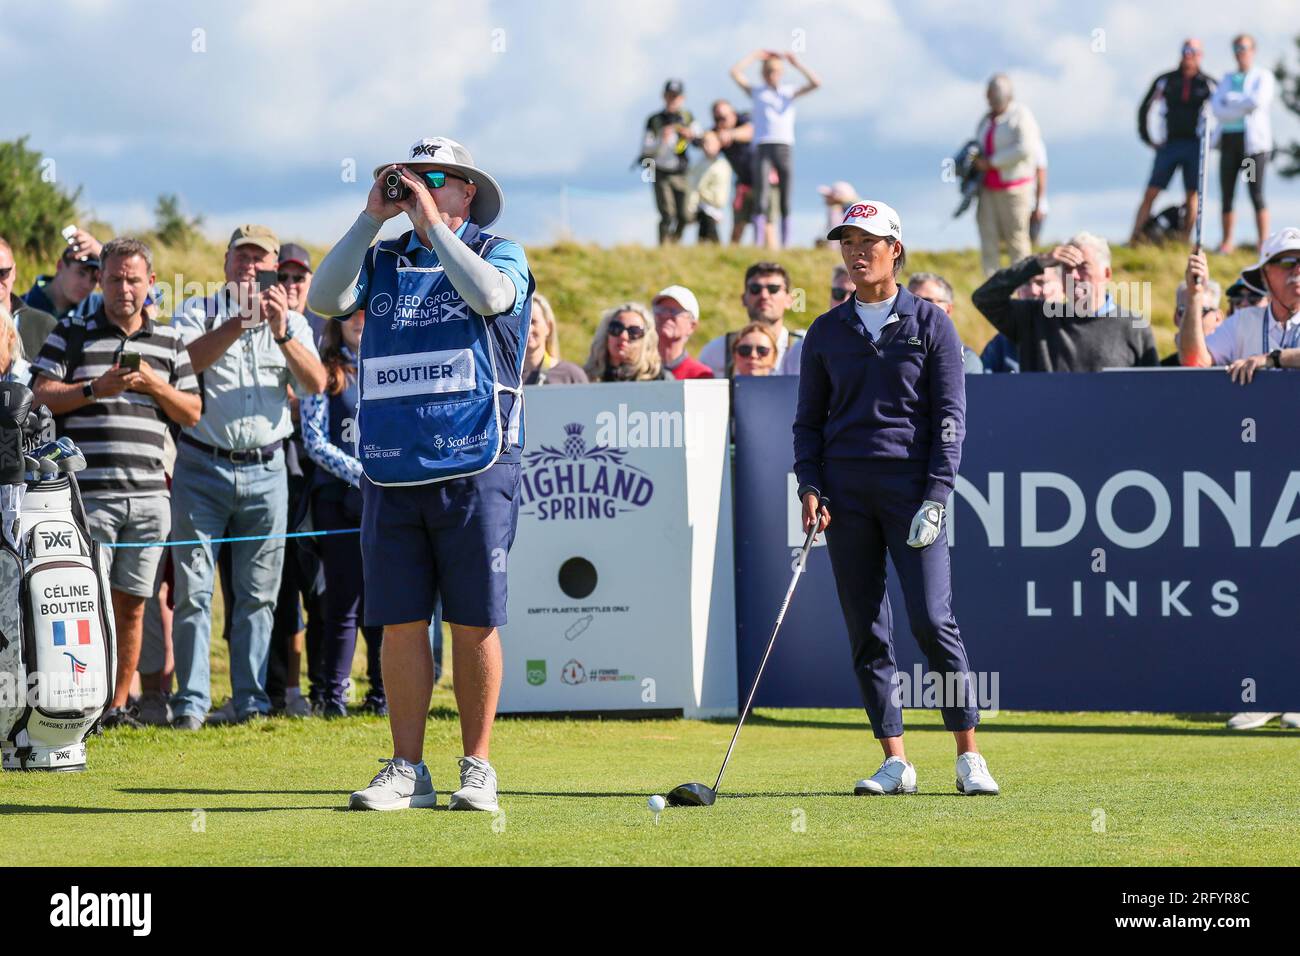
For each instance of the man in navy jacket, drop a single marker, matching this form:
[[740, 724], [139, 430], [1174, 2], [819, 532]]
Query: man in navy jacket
[[877, 438]]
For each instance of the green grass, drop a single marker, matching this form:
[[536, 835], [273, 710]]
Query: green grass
[[1173, 790]]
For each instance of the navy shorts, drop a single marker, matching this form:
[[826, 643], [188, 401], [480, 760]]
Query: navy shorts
[[450, 538], [1169, 157]]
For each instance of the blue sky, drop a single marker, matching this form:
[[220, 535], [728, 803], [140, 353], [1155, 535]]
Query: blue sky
[[250, 111]]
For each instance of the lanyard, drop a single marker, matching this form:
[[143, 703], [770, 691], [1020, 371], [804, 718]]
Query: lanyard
[[1268, 321]]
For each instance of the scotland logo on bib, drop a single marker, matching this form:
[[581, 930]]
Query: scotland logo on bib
[[432, 381]]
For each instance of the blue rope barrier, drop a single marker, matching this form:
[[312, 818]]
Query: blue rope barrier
[[248, 537]]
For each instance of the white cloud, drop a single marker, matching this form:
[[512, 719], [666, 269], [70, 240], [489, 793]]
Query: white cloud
[[555, 93]]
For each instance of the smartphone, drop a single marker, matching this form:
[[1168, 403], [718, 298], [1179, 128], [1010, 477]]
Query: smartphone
[[129, 360], [266, 278]]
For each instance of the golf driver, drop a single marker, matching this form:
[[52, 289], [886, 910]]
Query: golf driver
[[697, 794], [1203, 176]]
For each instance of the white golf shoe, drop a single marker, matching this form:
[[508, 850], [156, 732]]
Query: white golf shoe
[[896, 776], [399, 786], [973, 777], [1291, 721], [478, 786], [1250, 720]]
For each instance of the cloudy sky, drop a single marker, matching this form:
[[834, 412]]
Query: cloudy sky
[[255, 111]]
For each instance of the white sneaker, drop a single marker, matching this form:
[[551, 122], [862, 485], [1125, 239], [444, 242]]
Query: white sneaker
[[896, 776], [973, 777], [478, 786], [399, 785], [1291, 721], [1250, 720]]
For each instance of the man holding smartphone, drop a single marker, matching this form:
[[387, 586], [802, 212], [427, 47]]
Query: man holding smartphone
[[115, 382], [248, 349]]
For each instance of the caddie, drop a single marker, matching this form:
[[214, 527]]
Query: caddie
[[439, 435]]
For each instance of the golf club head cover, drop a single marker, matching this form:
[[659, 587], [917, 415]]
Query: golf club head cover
[[39, 428], [15, 409]]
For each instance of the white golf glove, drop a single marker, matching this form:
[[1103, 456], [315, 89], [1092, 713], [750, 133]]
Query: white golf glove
[[926, 525]]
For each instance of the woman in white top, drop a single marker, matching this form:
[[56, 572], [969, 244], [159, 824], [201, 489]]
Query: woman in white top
[[773, 119], [1241, 104]]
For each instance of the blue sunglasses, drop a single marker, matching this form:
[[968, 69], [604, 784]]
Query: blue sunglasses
[[437, 178]]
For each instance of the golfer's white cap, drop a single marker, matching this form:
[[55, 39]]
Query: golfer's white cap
[[872, 217], [684, 296]]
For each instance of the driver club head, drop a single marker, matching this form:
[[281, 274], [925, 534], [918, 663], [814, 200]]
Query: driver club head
[[691, 795]]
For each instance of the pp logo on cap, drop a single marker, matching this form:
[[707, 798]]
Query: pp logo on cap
[[860, 210]]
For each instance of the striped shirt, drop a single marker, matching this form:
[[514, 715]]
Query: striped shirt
[[122, 437]]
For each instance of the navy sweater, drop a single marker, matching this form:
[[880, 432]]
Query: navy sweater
[[892, 400]]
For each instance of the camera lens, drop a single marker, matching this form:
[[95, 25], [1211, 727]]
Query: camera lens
[[394, 188]]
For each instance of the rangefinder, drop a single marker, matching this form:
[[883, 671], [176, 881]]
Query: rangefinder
[[394, 188]]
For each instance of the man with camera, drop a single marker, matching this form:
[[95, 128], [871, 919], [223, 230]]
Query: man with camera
[[440, 423], [116, 381], [248, 349], [70, 291]]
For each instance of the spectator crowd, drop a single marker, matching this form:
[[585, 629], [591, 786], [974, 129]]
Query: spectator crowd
[[233, 420]]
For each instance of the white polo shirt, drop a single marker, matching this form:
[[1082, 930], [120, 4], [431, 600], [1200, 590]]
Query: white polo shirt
[[1251, 331]]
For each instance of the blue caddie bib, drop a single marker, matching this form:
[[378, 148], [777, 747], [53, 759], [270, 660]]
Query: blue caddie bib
[[440, 398]]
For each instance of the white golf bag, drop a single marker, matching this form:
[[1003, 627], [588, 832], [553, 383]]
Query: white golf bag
[[58, 648]]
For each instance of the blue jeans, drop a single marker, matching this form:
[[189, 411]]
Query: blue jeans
[[213, 498]]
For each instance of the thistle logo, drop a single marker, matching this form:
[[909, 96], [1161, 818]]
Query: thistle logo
[[536, 673], [574, 482], [78, 668]]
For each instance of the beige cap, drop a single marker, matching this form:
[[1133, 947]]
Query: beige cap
[[254, 235]]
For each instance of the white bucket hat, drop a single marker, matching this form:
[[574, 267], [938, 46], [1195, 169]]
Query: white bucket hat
[[488, 202], [1284, 240]]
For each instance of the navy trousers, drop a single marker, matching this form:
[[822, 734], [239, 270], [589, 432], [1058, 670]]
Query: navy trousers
[[872, 505]]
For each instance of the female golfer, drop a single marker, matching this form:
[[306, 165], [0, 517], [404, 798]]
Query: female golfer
[[877, 440]]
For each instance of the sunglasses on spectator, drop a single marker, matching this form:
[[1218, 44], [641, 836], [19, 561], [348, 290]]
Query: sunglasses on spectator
[[6, 272], [1205, 310], [772, 287], [1286, 262], [287, 278], [1191, 50], [839, 295], [749, 351], [1249, 298], [437, 179], [1240, 47], [634, 332], [934, 301]]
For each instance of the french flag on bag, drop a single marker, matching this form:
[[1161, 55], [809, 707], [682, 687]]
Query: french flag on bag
[[65, 629]]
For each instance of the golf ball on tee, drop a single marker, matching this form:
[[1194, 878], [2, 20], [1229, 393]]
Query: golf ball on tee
[[656, 803]]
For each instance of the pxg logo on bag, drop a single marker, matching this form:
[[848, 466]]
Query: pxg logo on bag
[[419, 373]]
